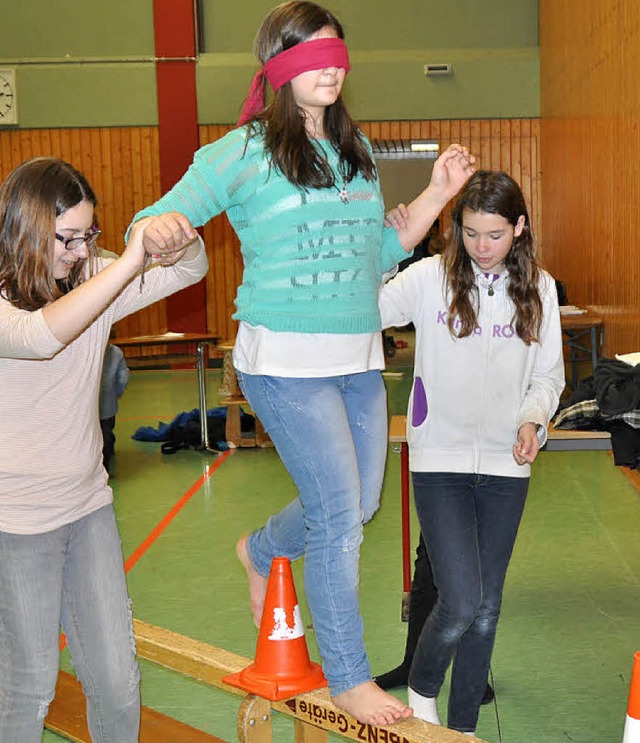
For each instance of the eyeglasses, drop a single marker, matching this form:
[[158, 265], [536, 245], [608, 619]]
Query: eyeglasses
[[71, 243]]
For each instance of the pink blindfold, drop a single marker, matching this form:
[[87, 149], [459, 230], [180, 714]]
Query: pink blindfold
[[279, 70]]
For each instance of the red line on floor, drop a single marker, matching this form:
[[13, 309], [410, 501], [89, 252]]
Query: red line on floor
[[162, 525], [634, 476], [166, 520]]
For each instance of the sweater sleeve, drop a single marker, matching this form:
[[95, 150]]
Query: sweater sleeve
[[216, 180], [392, 250], [547, 376]]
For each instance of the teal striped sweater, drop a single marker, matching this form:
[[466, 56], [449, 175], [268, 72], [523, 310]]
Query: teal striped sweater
[[312, 264]]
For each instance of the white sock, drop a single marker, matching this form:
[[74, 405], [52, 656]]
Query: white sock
[[471, 734], [424, 707]]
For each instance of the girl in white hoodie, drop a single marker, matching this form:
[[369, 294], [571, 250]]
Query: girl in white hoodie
[[488, 375]]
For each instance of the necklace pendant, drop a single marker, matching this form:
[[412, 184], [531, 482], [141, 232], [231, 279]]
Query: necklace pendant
[[491, 292], [344, 195]]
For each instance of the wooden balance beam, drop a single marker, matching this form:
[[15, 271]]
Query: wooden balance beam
[[313, 713]]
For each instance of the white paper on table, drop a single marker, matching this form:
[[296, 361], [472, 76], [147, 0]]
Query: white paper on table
[[633, 359], [571, 309]]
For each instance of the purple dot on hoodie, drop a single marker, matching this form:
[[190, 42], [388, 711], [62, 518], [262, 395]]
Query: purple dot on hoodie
[[420, 407]]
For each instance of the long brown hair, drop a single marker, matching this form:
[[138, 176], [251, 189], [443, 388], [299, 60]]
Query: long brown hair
[[282, 122], [493, 192], [31, 198]]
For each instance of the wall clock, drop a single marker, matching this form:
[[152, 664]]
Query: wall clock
[[8, 97]]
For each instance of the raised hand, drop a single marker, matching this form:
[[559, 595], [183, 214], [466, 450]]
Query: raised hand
[[452, 170]]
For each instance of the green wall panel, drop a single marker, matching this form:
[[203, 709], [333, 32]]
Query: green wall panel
[[389, 24], [56, 28], [392, 85], [87, 95], [92, 66]]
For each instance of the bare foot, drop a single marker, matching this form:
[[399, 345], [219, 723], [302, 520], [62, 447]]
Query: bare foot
[[368, 703], [257, 583]]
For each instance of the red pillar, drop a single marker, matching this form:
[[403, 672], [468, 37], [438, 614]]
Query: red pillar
[[174, 25]]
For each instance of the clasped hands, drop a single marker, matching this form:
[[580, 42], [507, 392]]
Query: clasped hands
[[164, 237]]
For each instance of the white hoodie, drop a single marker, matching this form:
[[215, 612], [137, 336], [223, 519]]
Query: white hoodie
[[470, 395]]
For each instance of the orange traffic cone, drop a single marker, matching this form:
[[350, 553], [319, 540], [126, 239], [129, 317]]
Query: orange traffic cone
[[281, 668], [632, 723]]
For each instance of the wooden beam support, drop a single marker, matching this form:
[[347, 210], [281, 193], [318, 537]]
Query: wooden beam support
[[254, 720]]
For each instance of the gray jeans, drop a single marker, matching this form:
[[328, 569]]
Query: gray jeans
[[72, 576]]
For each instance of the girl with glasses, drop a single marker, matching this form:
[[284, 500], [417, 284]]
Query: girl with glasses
[[60, 553]]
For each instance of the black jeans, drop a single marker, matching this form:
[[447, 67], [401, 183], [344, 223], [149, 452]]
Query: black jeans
[[469, 523]]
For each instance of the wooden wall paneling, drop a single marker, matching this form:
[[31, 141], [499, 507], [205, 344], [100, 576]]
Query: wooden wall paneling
[[108, 195], [5, 154], [16, 150], [415, 130], [75, 154], [505, 143], [471, 135], [114, 145], [590, 53], [495, 149], [121, 208], [527, 172], [536, 187], [370, 132], [405, 130]]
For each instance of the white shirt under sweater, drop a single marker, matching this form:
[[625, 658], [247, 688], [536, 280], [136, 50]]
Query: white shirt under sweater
[[51, 471], [258, 350]]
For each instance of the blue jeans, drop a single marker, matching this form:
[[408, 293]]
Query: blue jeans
[[331, 434], [469, 523], [73, 575]]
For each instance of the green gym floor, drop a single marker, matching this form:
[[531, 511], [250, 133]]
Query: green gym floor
[[571, 613]]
